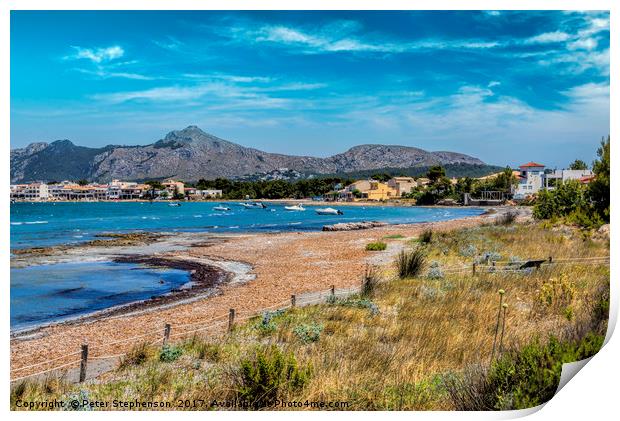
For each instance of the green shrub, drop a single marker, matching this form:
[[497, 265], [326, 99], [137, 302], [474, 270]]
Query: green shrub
[[266, 374], [586, 206], [361, 303], [530, 377], [520, 378], [394, 237], [376, 246], [584, 218], [267, 325], [170, 353], [410, 263], [308, 333], [426, 237]]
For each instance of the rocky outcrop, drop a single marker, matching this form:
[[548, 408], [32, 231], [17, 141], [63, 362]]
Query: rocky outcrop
[[191, 154], [352, 226]]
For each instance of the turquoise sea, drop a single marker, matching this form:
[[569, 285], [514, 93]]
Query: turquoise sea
[[42, 294], [43, 224]]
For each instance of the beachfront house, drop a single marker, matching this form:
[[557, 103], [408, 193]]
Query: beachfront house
[[380, 191], [423, 181], [402, 185], [354, 190], [533, 178], [584, 176], [530, 180], [367, 189], [32, 192], [174, 187]]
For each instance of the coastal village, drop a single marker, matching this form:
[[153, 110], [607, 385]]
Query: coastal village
[[529, 179]]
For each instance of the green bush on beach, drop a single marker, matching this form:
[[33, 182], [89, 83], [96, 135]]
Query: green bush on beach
[[376, 246]]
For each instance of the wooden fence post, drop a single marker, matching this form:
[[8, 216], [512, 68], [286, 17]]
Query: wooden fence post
[[166, 333], [84, 362], [231, 319], [293, 300], [550, 259], [333, 291], [473, 269]]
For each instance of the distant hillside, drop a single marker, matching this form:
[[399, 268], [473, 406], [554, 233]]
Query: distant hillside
[[452, 170], [191, 154]]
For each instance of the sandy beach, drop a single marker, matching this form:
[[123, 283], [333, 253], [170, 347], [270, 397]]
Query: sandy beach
[[263, 270]]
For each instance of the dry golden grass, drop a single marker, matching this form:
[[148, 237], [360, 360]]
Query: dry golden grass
[[425, 329]]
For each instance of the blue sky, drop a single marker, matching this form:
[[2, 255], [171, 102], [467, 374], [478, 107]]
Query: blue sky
[[507, 87]]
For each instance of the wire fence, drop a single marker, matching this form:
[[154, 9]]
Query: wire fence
[[213, 326], [209, 327]]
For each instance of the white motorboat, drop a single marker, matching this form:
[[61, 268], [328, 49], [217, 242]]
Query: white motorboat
[[256, 205], [174, 204], [328, 211], [297, 208], [221, 208]]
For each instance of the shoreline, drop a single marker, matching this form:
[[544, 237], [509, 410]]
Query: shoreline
[[267, 267], [308, 202], [204, 282]]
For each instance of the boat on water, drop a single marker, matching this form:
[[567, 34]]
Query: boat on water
[[221, 208], [256, 205], [329, 211], [174, 204], [297, 208]]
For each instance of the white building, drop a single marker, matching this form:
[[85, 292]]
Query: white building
[[565, 175], [532, 179], [209, 193], [32, 192]]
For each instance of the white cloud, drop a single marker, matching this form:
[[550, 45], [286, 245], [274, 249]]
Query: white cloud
[[105, 74], [583, 44], [229, 95], [97, 55], [579, 61], [548, 37], [340, 37], [227, 77]]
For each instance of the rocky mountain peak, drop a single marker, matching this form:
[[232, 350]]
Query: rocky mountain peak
[[190, 154]]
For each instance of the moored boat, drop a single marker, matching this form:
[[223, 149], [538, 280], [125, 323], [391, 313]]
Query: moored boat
[[256, 205], [329, 211], [297, 208], [221, 208], [174, 204]]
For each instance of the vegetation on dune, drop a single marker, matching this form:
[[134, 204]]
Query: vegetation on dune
[[410, 263], [416, 342], [426, 237], [376, 246]]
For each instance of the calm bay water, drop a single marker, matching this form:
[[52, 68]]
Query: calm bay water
[[46, 293], [42, 294], [44, 224]]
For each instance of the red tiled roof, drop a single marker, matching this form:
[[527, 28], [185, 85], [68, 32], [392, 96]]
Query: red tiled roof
[[531, 164], [587, 178]]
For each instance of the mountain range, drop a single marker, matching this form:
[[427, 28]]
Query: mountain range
[[191, 154]]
